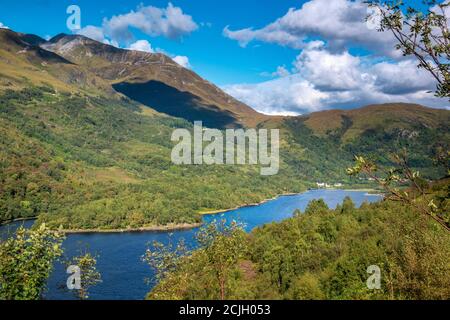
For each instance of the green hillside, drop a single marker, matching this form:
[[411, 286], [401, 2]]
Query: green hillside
[[81, 155], [85, 162], [322, 254]]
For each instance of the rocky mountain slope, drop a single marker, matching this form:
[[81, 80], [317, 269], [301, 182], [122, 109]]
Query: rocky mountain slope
[[157, 81]]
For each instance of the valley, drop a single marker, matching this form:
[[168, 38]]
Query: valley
[[199, 152], [82, 149]]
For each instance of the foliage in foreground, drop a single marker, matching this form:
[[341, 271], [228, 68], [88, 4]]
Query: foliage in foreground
[[89, 276], [422, 34], [324, 254], [27, 259], [221, 246], [417, 196]]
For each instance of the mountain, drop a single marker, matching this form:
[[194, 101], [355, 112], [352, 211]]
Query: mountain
[[85, 138], [157, 81], [23, 63], [331, 138], [389, 116]]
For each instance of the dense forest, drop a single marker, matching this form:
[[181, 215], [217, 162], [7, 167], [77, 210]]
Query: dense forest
[[318, 254], [79, 161]]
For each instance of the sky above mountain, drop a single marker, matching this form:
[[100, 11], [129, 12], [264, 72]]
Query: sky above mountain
[[279, 57]]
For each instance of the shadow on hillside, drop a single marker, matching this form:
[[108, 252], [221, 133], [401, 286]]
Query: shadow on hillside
[[169, 100]]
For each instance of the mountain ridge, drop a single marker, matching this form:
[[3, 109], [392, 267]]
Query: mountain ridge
[[128, 68], [83, 149], [123, 69]]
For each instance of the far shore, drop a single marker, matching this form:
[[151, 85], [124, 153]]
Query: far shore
[[214, 212], [168, 227], [182, 226], [4, 223]]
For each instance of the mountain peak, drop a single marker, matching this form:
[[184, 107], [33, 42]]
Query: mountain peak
[[157, 81], [152, 79], [25, 38], [58, 37]]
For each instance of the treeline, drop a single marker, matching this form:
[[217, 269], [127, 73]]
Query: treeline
[[325, 254]]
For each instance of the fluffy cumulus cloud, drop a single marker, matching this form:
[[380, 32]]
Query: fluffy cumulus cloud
[[324, 79], [169, 22], [286, 96], [2, 26], [328, 71], [182, 61], [339, 22], [141, 45], [280, 72], [93, 32], [325, 74]]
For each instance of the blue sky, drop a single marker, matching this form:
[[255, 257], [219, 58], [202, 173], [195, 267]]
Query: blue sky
[[213, 56], [318, 55]]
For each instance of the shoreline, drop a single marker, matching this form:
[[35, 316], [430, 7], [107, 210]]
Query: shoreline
[[168, 227], [4, 223], [183, 226], [214, 212]]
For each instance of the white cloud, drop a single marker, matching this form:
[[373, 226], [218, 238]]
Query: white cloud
[[170, 22], [280, 72], [93, 32], [402, 78], [182, 61], [113, 43], [325, 74], [141, 45], [325, 79], [339, 22], [329, 71], [2, 26], [285, 96]]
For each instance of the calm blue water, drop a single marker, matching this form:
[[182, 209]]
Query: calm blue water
[[119, 255]]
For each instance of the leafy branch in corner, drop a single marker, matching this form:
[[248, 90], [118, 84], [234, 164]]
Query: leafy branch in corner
[[414, 196], [423, 34]]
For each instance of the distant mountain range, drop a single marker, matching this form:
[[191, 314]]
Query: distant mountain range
[[85, 137]]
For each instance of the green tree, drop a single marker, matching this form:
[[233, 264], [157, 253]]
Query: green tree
[[164, 259], [389, 181], [223, 245], [26, 261], [419, 33], [89, 275]]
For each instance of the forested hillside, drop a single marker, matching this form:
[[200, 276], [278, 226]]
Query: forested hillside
[[322, 254], [81, 155], [85, 162]]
